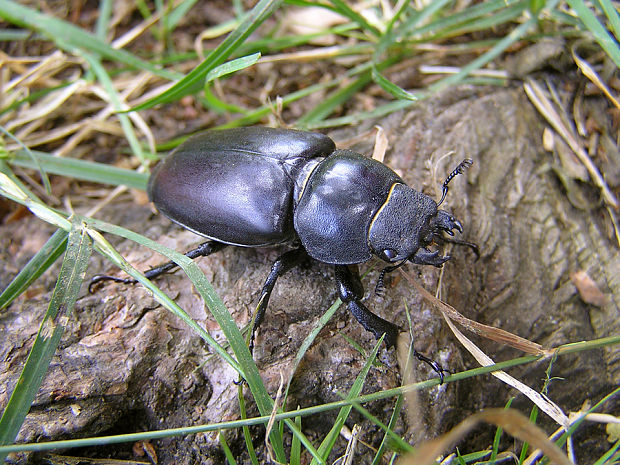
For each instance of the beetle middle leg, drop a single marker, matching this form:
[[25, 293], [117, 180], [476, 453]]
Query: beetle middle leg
[[203, 250], [284, 263], [351, 291]]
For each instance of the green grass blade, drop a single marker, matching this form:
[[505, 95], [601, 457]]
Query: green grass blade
[[600, 33], [328, 105], [498, 435], [525, 446], [70, 37], [179, 13], [256, 115], [307, 342], [421, 17], [515, 35], [561, 441], [304, 441], [612, 16], [608, 457], [72, 273], [214, 103], [398, 442], [195, 79], [27, 151], [42, 260], [479, 17], [247, 436], [391, 88], [385, 442], [80, 169], [13, 35], [230, 458], [244, 364], [345, 10], [232, 66], [328, 443], [103, 18], [295, 458]]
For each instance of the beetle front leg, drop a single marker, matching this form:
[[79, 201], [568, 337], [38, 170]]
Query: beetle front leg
[[451, 240], [351, 291], [426, 257], [283, 264], [203, 250]]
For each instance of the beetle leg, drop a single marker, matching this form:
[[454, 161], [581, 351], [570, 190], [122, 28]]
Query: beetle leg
[[425, 257], [452, 240], [203, 250], [284, 263], [351, 291]]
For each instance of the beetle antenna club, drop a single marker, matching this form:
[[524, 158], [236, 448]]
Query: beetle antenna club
[[458, 170]]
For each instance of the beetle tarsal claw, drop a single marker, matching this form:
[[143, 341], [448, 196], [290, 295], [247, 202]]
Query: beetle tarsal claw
[[441, 371]]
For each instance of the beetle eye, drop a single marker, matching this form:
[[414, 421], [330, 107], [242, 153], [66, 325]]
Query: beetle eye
[[390, 254]]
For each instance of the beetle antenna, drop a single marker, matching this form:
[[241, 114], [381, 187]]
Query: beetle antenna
[[458, 170], [380, 287]]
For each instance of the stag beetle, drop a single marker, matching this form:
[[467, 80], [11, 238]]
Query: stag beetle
[[255, 187]]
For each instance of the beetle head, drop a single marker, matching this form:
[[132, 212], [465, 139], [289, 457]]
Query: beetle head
[[405, 222], [408, 222]]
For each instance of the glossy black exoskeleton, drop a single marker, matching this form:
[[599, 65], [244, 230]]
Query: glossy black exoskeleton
[[255, 187]]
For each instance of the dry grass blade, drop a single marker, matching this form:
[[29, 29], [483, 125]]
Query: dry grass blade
[[489, 332], [513, 422], [449, 313], [307, 55], [537, 96], [412, 398], [349, 454], [543, 403], [381, 144], [46, 105], [272, 420], [95, 109], [592, 75]]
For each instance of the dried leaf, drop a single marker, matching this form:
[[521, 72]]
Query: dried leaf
[[588, 290], [513, 422]]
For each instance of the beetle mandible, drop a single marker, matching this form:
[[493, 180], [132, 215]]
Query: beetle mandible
[[256, 186]]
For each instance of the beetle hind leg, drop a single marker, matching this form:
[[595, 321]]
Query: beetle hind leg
[[351, 291], [203, 250], [284, 263]]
